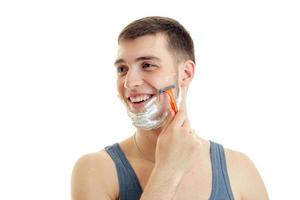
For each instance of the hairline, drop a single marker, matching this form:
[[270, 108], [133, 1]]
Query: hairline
[[177, 56]]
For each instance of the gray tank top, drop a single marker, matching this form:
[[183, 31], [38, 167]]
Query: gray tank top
[[130, 188]]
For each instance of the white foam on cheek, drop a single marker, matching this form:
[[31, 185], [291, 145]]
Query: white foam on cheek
[[152, 118], [155, 113], [177, 91]]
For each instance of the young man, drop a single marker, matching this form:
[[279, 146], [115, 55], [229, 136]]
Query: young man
[[164, 159]]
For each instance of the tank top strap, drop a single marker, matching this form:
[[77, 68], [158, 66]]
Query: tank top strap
[[129, 185], [130, 188], [221, 189]]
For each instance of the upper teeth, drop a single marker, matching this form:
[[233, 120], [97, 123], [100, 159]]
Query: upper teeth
[[139, 98]]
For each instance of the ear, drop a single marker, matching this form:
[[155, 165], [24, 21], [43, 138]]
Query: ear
[[188, 71]]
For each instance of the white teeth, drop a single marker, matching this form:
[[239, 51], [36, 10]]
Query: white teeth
[[140, 98]]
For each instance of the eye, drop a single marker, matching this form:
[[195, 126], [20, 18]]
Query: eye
[[148, 65], [121, 69]]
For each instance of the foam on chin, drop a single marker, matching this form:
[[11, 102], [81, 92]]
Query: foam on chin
[[154, 114], [152, 118]]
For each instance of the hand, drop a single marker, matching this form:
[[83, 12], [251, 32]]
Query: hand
[[178, 147]]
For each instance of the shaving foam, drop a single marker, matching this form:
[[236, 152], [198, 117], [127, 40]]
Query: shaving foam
[[154, 113]]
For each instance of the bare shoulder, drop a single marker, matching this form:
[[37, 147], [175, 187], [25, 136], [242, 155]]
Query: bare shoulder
[[244, 176], [94, 177]]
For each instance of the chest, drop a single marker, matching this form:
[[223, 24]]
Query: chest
[[197, 184]]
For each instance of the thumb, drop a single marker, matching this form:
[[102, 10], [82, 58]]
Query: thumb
[[168, 121]]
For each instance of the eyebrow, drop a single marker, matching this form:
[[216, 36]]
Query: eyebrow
[[118, 61]]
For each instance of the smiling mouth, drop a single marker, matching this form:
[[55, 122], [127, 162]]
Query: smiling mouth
[[141, 99]]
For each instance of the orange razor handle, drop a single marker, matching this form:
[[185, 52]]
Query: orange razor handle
[[172, 100]]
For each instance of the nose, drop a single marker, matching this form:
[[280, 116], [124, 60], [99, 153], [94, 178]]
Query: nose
[[133, 79]]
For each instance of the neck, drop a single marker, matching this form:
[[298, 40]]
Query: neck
[[146, 141]]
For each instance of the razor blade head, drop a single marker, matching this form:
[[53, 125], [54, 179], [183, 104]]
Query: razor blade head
[[167, 88]]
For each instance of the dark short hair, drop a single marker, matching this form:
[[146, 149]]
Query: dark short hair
[[179, 40]]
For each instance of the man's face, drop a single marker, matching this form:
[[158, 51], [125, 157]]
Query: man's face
[[144, 66]]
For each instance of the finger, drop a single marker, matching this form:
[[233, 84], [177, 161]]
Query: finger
[[170, 118], [179, 119]]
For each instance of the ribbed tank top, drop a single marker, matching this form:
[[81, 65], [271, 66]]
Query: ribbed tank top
[[130, 188]]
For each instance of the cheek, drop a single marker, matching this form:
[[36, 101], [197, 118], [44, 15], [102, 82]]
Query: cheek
[[120, 87], [161, 81]]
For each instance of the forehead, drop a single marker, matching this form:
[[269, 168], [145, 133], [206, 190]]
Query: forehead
[[144, 46]]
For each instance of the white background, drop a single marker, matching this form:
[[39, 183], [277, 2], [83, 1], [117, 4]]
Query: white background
[[58, 97]]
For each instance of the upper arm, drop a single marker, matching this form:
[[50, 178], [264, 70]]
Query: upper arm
[[245, 176], [93, 178]]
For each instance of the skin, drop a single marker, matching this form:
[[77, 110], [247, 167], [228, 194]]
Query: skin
[[182, 167]]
